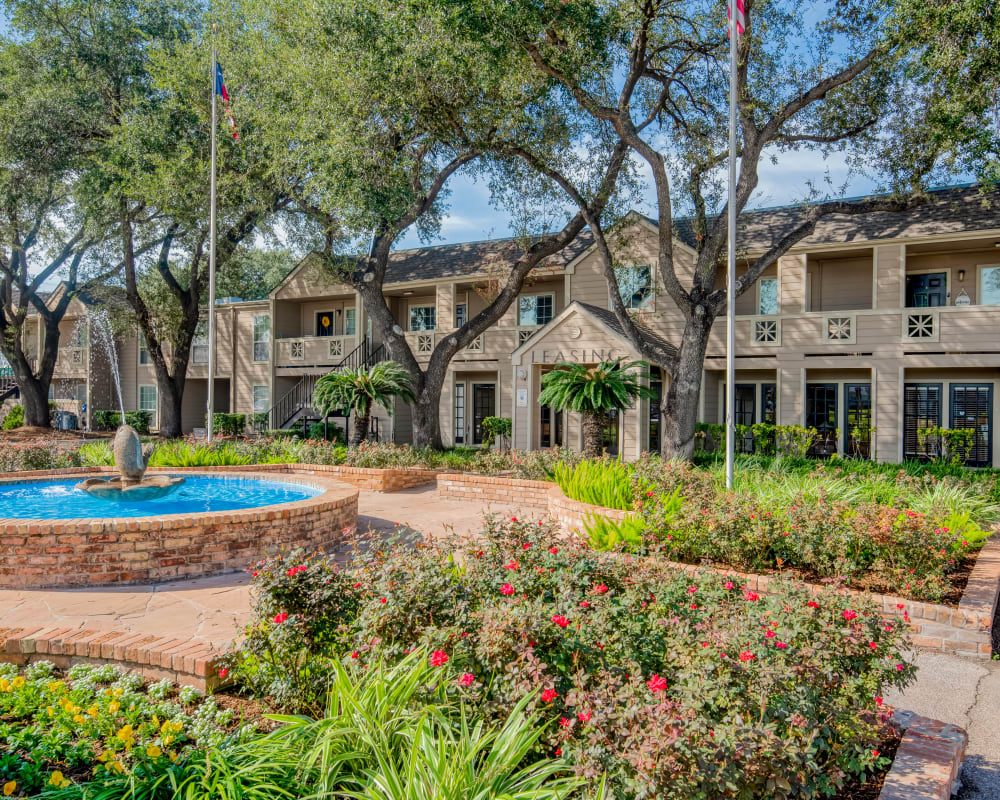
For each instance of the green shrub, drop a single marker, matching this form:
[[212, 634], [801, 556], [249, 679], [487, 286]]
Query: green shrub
[[38, 455], [607, 534], [600, 483], [14, 418], [184, 454], [495, 428], [104, 420], [672, 686], [226, 424], [96, 454]]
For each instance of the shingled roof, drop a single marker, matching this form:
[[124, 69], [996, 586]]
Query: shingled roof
[[611, 320], [468, 258], [953, 209]]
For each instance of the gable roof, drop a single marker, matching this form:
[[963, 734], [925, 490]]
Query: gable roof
[[601, 316], [952, 209]]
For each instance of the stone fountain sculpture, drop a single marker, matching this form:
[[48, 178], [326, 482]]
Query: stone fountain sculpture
[[131, 460]]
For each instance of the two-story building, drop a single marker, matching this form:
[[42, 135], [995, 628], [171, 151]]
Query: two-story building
[[872, 328]]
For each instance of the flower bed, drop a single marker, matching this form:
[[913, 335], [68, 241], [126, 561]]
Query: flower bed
[[673, 686], [98, 723]]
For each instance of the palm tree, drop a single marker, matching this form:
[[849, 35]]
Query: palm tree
[[593, 391], [358, 389]]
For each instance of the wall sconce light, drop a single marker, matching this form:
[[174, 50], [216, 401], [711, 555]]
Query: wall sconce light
[[961, 275], [340, 311]]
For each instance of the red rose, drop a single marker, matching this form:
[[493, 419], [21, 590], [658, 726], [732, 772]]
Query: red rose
[[467, 679], [729, 585], [656, 683], [751, 596], [600, 589], [279, 618], [564, 722], [554, 550], [560, 620], [223, 672], [746, 655], [507, 589], [439, 658], [549, 695], [583, 716], [849, 614]]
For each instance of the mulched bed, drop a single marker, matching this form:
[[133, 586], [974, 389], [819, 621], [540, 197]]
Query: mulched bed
[[869, 790]]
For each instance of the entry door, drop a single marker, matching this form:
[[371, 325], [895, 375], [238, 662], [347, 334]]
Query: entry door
[[746, 408], [551, 422], [611, 432], [858, 419], [927, 290], [484, 397], [972, 408], [821, 414]]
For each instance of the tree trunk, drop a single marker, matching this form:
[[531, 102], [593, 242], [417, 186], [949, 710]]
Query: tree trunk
[[362, 422], [593, 434], [169, 397], [35, 399], [679, 407], [427, 415]]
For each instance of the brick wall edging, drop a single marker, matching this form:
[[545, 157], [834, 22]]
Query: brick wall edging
[[187, 661], [928, 760]]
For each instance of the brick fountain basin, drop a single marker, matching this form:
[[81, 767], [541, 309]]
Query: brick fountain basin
[[113, 550]]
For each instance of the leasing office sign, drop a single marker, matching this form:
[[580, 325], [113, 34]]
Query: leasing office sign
[[575, 355]]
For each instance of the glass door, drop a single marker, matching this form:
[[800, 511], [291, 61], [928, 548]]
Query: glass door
[[921, 410], [483, 406], [551, 430], [746, 413], [928, 290], [611, 437], [858, 419], [972, 409], [821, 414]]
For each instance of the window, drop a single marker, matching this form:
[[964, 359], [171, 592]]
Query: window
[[989, 286], [423, 318], [769, 403], [858, 428], [972, 409], [147, 402], [768, 296], [324, 323], [350, 322], [656, 385], [461, 314], [921, 410], [80, 335], [199, 346], [535, 309], [927, 290], [635, 285], [821, 414], [459, 413], [143, 350], [261, 337], [261, 399]]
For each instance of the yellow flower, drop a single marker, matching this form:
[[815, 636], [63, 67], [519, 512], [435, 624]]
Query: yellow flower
[[172, 755], [125, 735], [116, 766], [4, 685], [92, 711], [58, 780], [117, 692], [153, 751], [9, 788], [79, 719], [155, 720], [18, 682], [113, 706], [51, 710], [54, 686], [104, 756]]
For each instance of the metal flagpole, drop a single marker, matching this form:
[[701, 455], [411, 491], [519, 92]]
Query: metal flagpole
[[211, 255], [731, 269]]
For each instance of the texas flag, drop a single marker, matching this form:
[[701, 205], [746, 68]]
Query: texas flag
[[220, 89]]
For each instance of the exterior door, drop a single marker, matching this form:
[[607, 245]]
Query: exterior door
[[483, 405], [821, 414], [746, 413], [858, 419], [611, 432], [972, 408], [921, 410], [459, 413], [927, 290], [656, 385], [551, 431]]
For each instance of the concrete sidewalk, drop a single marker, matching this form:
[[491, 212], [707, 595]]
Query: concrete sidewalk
[[213, 610], [963, 692]]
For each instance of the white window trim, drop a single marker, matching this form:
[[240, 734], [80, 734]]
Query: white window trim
[[760, 280], [253, 397], [464, 304], [351, 311], [409, 316], [143, 349], [651, 304], [979, 283], [153, 422], [255, 341], [535, 294]]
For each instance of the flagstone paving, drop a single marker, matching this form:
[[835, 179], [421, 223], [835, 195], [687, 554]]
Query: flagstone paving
[[213, 610]]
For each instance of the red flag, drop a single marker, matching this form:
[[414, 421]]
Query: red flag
[[220, 89]]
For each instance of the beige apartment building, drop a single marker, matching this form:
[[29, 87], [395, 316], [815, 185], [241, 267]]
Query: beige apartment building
[[872, 328]]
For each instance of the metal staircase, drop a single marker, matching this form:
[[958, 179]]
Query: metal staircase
[[297, 401], [8, 385]]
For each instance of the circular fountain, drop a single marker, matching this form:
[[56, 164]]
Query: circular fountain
[[62, 528]]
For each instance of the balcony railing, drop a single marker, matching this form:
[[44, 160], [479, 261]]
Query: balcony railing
[[313, 350]]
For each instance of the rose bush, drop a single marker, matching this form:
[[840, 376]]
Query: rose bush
[[673, 686], [42, 455]]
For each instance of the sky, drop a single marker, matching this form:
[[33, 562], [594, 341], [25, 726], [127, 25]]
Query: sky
[[470, 217]]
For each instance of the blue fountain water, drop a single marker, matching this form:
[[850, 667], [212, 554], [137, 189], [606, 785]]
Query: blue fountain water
[[198, 494]]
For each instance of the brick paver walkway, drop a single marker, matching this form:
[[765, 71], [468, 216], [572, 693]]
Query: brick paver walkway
[[213, 610]]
